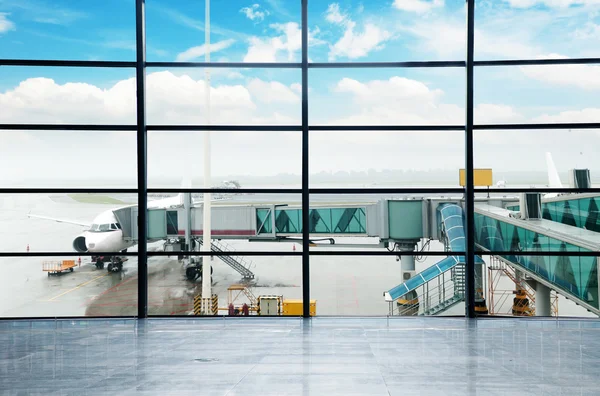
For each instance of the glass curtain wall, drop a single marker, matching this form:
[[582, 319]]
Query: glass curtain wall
[[298, 158]]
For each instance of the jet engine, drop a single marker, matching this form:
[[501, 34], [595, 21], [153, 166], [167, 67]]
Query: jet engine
[[79, 244]]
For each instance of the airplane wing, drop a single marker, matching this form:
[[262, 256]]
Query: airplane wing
[[79, 223]]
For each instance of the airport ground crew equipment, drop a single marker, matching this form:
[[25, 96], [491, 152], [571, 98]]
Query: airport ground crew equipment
[[58, 267]]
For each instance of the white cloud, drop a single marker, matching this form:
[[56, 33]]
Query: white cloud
[[397, 100], [550, 3], [418, 6], [589, 31], [334, 15], [196, 52], [354, 44], [581, 76], [170, 99], [253, 13], [289, 41], [5, 24], [486, 113], [272, 92], [585, 115], [447, 39]]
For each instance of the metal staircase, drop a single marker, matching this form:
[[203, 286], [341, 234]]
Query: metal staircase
[[436, 295], [238, 263]]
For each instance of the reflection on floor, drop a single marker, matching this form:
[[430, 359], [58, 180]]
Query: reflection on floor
[[322, 356]]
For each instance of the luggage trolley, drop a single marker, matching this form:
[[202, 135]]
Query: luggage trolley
[[58, 267]]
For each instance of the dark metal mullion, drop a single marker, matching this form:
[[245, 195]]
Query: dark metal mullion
[[51, 190], [383, 128], [305, 169], [397, 190], [374, 65], [226, 128], [142, 163], [288, 65], [273, 191], [68, 127], [563, 125], [67, 63], [538, 190], [536, 62], [469, 182]]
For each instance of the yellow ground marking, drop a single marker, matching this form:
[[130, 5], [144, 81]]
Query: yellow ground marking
[[77, 287]]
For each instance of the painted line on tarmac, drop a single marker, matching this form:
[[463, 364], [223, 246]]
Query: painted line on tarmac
[[77, 287]]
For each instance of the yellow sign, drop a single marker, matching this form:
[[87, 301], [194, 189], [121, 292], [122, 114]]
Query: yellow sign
[[481, 177]]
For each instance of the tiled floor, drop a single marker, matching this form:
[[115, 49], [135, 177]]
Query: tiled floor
[[322, 356]]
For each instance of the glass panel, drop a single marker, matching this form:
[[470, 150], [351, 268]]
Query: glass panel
[[536, 94], [241, 31], [242, 159], [56, 222], [175, 286], [239, 222], [525, 29], [64, 286], [387, 97], [510, 291], [73, 30], [527, 150], [385, 159], [62, 159], [237, 97], [67, 95], [353, 286], [378, 31]]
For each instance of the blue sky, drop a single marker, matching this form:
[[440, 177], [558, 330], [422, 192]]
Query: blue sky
[[343, 30]]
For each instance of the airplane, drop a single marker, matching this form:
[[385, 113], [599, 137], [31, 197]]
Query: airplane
[[553, 178], [104, 233]]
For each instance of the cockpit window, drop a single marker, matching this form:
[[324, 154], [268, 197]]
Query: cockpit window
[[105, 227]]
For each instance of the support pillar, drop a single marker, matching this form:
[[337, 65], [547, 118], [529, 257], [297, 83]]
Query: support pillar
[[408, 305], [542, 300]]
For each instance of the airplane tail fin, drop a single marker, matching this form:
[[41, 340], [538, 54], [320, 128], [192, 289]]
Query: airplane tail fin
[[553, 178]]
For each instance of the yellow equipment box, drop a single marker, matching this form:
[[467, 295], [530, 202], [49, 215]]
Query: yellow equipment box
[[294, 307], [481, 177]]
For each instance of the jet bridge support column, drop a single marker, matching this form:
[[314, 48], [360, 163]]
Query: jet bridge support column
[[542, 300], [407, 305]]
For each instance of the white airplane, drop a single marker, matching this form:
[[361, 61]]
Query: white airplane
[[553, 177], [105, 234]]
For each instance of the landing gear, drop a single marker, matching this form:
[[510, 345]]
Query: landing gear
[[115, 264], [115, 267], [194, 271]]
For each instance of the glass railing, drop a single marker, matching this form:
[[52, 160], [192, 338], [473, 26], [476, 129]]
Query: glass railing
[[575, 274]]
